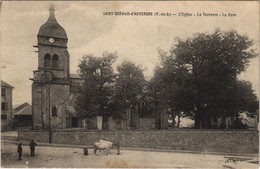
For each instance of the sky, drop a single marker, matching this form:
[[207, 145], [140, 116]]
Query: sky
[[134, 38]]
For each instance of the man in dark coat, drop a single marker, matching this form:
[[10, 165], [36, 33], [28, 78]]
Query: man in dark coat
[[20, 151], [32, 147], [118, 147]]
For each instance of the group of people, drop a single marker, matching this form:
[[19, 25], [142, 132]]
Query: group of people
[[32, 148], [33, 144]]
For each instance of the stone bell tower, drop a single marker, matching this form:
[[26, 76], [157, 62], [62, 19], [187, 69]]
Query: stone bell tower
[[52, 46], [51, 80]]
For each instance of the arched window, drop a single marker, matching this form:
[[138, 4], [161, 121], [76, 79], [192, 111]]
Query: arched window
[[55, 61], [47, 60], [54, 111]]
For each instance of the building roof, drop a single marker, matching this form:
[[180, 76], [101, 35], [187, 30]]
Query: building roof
[[24, 109], [4, 84], [20, 107], [52, 28]]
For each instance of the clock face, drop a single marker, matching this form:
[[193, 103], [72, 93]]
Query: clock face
[[51, 40]]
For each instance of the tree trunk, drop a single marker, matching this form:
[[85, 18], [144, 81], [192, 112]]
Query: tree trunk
[[179, 120], [156, 111], [105, 123], [173, 119], [198, 119]]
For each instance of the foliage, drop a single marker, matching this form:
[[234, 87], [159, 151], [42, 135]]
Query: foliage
[[105, 93], [96, 93], [200, 76], [129, 86]]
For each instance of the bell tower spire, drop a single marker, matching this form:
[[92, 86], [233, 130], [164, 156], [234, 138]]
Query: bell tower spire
[[52, 10], [52, 18]]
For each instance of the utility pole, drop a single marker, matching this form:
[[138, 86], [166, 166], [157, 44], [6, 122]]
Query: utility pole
[[49, 112], [47, 83]]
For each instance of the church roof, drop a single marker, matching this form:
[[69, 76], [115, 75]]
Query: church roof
[[52, 28]]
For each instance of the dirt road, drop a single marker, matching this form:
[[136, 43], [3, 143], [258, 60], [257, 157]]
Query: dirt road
[[60, 157]]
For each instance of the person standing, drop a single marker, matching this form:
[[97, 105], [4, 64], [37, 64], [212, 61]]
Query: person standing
[[20, 151], [118, 147], [32, 147]]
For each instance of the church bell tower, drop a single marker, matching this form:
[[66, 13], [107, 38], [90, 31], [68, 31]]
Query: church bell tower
[[51, 80], [52, 48]]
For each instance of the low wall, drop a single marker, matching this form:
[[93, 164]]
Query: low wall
[[235, 141], [146, 123]]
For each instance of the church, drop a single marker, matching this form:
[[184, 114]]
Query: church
[[55, 90]]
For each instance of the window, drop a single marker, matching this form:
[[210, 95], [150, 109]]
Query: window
[[47, 60], [4, 106], [3, 92], [55, 61], [3, 116], [54, 111]]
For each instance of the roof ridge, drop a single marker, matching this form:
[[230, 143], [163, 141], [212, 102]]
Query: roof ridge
[[3, 83], [21, 106], [21, 111]]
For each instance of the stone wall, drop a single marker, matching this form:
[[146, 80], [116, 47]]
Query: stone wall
[[114, 124], [146, 123], [44, 98], [236, 141], [139, 123]]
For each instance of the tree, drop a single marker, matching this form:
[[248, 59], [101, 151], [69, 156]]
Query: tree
[[128, 87], [154, 93], [96, 93], [169, 89], [201, 75]]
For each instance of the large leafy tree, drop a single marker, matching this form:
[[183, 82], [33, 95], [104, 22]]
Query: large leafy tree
[[201, 75], [97, 90], [169, 88], [128, 87]]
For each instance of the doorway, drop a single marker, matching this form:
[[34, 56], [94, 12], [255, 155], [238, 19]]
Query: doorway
[[74, 122]]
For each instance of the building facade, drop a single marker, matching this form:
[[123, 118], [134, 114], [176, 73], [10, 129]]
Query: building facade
[[53, 91], [6, 106]]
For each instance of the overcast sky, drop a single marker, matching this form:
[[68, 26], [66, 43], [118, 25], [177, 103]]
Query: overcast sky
[[134, 38]]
